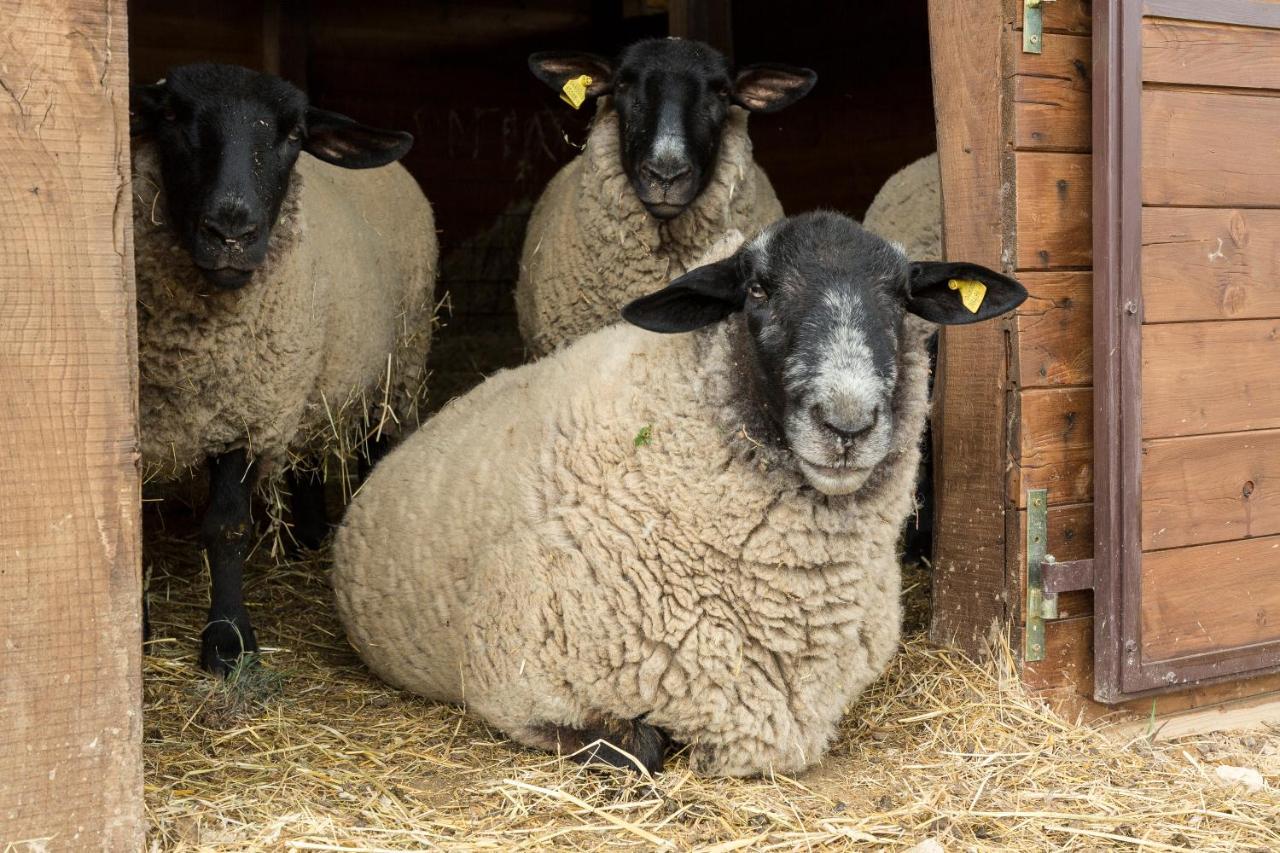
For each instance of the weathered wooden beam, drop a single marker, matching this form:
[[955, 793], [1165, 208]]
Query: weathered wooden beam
[[70, 644]]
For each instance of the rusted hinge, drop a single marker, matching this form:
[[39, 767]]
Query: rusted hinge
[[1046, 577]]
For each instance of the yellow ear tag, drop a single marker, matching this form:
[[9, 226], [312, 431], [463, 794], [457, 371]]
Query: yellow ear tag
[[575, 91], [971, 292]]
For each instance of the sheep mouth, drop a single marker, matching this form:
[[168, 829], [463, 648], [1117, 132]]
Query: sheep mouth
[[226, 278], [833, 479], [664, 210]]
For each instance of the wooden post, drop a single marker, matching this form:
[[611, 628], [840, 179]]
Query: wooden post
[[70, 645], [970, 434]]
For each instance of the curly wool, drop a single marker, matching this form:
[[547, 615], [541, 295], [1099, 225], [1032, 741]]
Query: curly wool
[[908, 210], [530, 554], [290, 365], [592, 247]]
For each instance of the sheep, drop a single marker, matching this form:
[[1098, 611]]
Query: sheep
[[284, 304], [908, 211], [683, 537], [666, 170]]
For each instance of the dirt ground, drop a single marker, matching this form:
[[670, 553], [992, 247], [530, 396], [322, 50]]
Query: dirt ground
[[310, 752]]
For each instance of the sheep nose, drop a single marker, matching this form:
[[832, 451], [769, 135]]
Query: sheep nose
[[665, 172], [847, 426], [230, 227]]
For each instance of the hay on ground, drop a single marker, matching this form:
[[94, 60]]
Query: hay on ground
[[313, 753]]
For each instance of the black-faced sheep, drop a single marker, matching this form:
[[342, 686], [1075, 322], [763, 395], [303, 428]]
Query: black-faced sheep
[[284, 301], [685, 535], [667, 170]]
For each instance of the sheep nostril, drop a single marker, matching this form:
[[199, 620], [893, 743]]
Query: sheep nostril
[[846, 431]]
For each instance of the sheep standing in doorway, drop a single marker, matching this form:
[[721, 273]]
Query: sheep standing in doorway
[[687, 535], [284, 301], [667, 170]]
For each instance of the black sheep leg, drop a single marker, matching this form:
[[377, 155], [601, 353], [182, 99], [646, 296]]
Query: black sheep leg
[[227, 532], [310, 516]]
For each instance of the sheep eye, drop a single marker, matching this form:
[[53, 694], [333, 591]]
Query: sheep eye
[[756, 291], [723, 93], [295, 135], [169, 114]]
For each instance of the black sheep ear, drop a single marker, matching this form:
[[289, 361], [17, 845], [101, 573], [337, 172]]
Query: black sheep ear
[[767, 88], [558, 67], [147, 104], [698, 298], [955, 294], [345, 142]]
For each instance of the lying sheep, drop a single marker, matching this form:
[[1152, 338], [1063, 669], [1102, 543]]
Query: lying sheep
[[284, 304], [666, 171], [908, 211], [686, 535]]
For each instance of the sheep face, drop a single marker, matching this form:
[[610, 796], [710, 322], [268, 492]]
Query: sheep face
[[820, 304], [227, 140], [672, 97]]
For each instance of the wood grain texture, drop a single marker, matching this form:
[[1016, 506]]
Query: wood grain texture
[[70, 644], [1205, 149], [1210, 488], [1054, 344], [1062, 16], [1210, 597], [1055, 446], [1051, 95], [1210, 264], [1210, 54], [1070, 538], [1054, 210], [1210, 377], [970, 431]]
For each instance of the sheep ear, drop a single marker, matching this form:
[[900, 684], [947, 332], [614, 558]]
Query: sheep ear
[[956, 293], [146, 104], [698, 298], [557, 67], [345, 142], [767, 88]]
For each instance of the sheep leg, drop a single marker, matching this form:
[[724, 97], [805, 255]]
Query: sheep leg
[[613, 742], [310, 515], [227, 531]]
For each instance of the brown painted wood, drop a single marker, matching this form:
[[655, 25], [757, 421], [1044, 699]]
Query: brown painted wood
[[1205, 149], [1051, 94], [970, 433], [1054, 344], [1054, 210], [1210, 488], [70, 644], [1210, 598], [1210, 264], [1250, 13], [1055, 446], [1210, 377], [1210, 54]]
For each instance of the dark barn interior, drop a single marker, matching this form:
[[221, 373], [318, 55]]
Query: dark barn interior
[[489, 136]]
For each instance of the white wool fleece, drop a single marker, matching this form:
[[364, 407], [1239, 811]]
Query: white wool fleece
[[591, 246], [303, 351], [530, 554], [908, 210]]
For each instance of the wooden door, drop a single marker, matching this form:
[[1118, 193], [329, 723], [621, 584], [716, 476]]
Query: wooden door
[[1187, 342]]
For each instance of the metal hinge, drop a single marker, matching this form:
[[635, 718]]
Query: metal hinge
[[1033, 25], [1046, 577]]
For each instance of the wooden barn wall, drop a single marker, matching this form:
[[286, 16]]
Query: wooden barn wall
[[1051, 352], [489, 136]]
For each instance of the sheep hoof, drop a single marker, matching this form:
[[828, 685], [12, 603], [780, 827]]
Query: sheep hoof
[[224, 641], [618, 743]]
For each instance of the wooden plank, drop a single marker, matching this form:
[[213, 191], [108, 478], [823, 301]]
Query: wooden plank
[[1051, 95], [1209, 377], [1210, 264], [1070, 538], [970, 433], [1210, 597], [1068, 661], [1055, 446], [1205, 149], [1054, 210], [1062, 16], [1054, 344], [1210, 54], [1210, 488], [70, 644], [1249, 13]]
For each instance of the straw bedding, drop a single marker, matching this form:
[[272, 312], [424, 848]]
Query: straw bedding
[[312, 753]]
